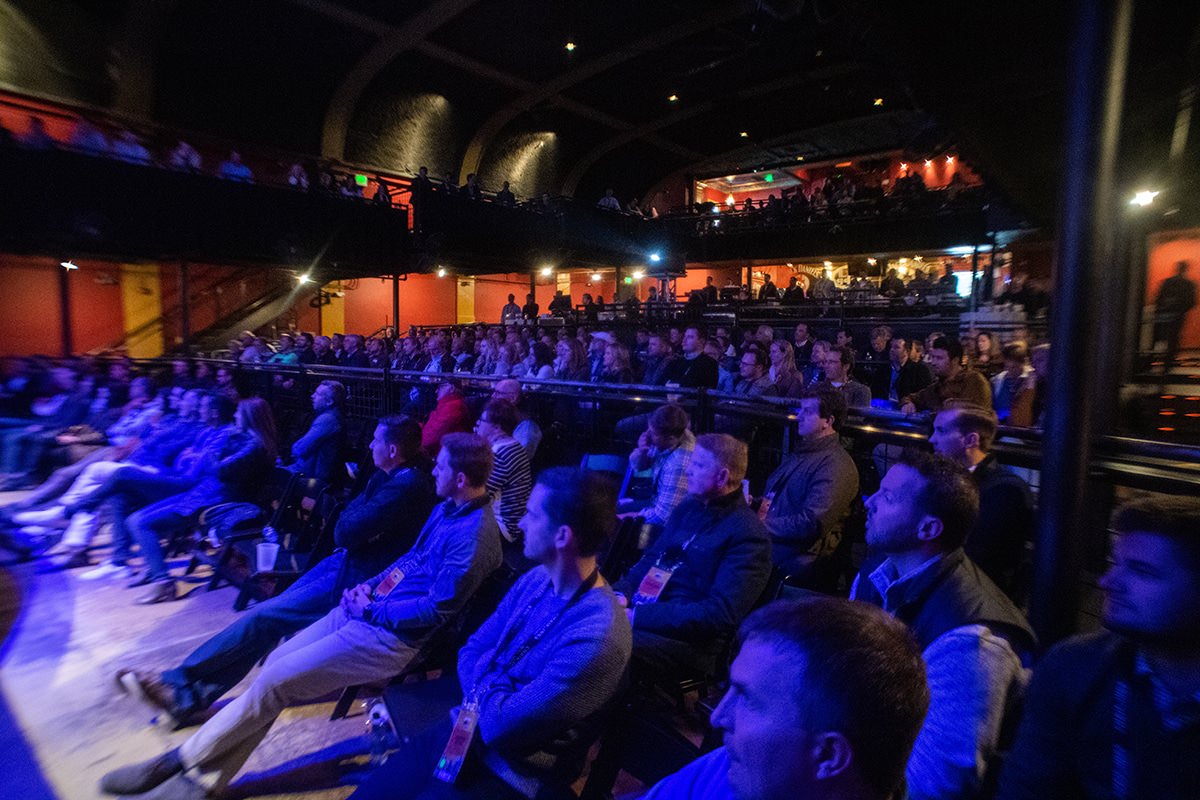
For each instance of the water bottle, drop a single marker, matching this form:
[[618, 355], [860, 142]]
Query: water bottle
[[379, 728]]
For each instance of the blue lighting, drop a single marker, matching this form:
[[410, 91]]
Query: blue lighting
[[656, 257]]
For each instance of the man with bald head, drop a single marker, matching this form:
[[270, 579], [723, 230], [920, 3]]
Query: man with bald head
[[528, 432]]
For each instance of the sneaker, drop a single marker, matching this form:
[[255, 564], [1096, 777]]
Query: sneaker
[[159, 592], [106, 570], [42, 516], [72, 558]]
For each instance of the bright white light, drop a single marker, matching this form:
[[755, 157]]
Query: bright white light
[[638, 274], [872, 261], [1143, 198], [828, 264], [918, 259], [302, 279], [902, 271], [903, 261], [962, 285], [729, 200], [949, 159], [67, 265], [547, 272], [596, 277], [656, 257], [441, 272], [569, 47], [928, 163], [960, 250]]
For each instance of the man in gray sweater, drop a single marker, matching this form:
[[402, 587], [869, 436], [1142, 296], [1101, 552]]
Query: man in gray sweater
[[537, 674], [374, 634], [807, 499]]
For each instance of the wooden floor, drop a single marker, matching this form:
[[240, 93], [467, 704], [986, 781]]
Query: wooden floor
[[67, 640]]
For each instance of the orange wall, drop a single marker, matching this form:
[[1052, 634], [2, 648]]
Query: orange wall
[[696, 278], [1165, 251], [32, 319]]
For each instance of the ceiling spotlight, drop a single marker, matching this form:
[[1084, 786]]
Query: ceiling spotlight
[[928, 163], [441, 272], [656, 257], [828, 264], [638, 274], [596, 278], [570, 47], [67, 265], [744, 134], [547, 272], [872, 261], [918, 259], [949, 159], [302, 279], [673, 98], [878, 101], [789, 263], [1142, 198], [903, 166]]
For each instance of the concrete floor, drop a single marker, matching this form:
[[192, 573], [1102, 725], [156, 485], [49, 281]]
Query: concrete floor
[[57, 677]]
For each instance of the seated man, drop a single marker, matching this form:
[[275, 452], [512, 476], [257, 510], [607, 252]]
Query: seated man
[[538, 672], [318, 452], [838, 363], [374, 529], [704, 572], [450, 415], [527, 432], [807, 499], [964, 434], [824, 703], [1114, 713], [665, 447], [952, 381], [974, 640], [375, 632], [512, 478], [753, 378]]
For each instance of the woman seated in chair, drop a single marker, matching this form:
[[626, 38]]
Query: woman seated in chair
[[231, 471]]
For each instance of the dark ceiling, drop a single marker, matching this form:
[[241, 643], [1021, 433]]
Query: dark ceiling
[[488, 86]]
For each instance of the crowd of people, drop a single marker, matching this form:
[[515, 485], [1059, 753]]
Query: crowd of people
[[905, 672]]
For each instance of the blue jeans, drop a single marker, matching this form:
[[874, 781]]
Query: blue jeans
[[220, 663]]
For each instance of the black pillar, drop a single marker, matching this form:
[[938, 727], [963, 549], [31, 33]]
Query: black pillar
[[396, 305], [1099, 41], [64, 308]]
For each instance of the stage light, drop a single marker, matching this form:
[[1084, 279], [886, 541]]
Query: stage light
[[744, 134], [638, 274], [570, 47], [673, 98], [302, 279], [950, 160], [361, 180], [903, 167], [878, 101], [1143, 198], [769, 177], [828, 264], [547, 272], [441, 272], [872, 262], [596, 277], [656, 257], [67, 265], [928, 163]]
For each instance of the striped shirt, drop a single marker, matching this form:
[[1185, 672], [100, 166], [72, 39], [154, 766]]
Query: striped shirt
[[509, 485]]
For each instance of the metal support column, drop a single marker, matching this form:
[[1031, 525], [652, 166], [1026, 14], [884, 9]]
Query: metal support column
[[396, 306], [64, 309], [185, 308], [1088, 165]]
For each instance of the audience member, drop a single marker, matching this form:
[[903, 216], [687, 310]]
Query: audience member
[[375, 632], [838, 363], [232, 169], [695, 369], [1008, 385], [786, 378], [952, 381], [975, 642], [511, 478], [753, 379], [825, 701], [450, 415], [318, 452], [665, 448], [527, 432], [378, 525], [687, 594], [807, 499], [903, 376], [1115, 713]]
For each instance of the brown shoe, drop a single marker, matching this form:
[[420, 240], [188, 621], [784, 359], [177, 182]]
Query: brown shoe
[[147, 687]]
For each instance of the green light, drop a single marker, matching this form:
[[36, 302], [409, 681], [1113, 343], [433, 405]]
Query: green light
[[769, 177], [361, 180], [628, 279]]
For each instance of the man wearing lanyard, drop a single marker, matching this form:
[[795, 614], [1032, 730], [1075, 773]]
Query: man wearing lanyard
[[1116, 713], [377, 525], [807, 499], [373, 635], [974, 640], [700, 578], [536, 673]]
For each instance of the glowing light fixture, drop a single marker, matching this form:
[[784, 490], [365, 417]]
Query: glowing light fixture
[[638, 274], [302, 279], [950, 160], [673, 98], [828, 264], [441, 272], [903, 166], [918, 259], [596, 277], [729, 200], [928, 163], [547, 272], [68, 265], [872, 262], [744, 134], [569, 46], [656, 257], [361, 180], [878, 101], [1142, 198]]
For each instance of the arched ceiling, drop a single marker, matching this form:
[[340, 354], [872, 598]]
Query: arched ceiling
[[488, 86]]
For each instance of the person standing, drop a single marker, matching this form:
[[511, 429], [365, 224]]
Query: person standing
[[1176, 298]]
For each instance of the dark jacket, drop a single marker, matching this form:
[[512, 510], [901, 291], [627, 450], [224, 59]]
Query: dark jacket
[[721, 575], [692, 373], [912, 378], [384, 519], [810, 496], [1065, 745], [356, 359], [317, 452], [997, 543]]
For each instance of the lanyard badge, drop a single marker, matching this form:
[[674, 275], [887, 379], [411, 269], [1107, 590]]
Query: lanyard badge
[[455, 754], [387, 584], [764, 505], [652, 585]]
